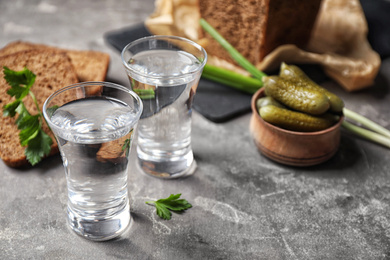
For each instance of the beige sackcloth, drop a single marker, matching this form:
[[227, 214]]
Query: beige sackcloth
[[338, 42]]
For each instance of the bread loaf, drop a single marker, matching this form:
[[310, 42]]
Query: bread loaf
[[256, 27], [53, 70], [89, 65]]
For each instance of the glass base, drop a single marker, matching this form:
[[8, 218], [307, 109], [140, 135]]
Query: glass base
[[100, 229], [158, 169], [166, 165]]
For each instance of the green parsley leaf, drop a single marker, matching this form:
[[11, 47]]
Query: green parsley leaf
[[30, 127], [38, 147], [172, 203], [31, 134], [20, 81], [23, 112], [10, 108], [126, 146]]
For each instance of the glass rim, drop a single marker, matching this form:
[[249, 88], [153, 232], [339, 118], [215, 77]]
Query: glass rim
[[157, 37], [90, 83]]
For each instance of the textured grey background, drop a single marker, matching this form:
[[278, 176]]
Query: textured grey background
[[244, 206]]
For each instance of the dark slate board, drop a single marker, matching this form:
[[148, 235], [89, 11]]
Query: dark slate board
[[214, 101]]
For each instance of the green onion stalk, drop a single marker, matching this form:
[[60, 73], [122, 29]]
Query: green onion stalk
[[232, 79], [374, 132], [145, 93]]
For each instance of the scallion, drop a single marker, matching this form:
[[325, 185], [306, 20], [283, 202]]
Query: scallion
[[366, 122], [367, 134], [232, 79], [145, 93]]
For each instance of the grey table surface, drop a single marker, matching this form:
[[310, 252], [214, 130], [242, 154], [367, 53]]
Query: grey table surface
[[244, 205]]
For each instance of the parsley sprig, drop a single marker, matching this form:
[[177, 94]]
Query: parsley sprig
[[37, 142], [172, 203]]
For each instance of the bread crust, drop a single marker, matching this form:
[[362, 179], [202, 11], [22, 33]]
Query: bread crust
[[89, 65], [238, 22]]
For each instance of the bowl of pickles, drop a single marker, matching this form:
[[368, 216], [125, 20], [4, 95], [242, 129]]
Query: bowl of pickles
[[295, 121]]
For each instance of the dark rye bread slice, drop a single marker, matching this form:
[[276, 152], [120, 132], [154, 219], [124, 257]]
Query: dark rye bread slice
[[89, 65], [255, 28], [53, 71]]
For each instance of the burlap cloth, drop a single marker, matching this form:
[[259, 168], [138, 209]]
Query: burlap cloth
[[338, 42]]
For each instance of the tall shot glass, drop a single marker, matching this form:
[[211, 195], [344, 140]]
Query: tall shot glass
[[164, 71], [93, 123]]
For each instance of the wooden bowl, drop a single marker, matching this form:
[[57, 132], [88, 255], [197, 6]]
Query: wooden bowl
[[290, 147]]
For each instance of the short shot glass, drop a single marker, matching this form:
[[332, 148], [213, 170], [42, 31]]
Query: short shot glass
[[93, 123]]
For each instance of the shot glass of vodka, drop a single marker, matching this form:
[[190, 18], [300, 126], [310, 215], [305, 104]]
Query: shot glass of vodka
[[93, 123], [164, 71]]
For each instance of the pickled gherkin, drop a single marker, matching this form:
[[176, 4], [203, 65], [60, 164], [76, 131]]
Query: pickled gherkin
[[294, 73], [296, 121], [265, 101], [295, 96]]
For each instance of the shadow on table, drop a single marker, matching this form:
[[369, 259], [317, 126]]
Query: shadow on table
[[381, 86], [44, 167], [346, 163], [124, 246]]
